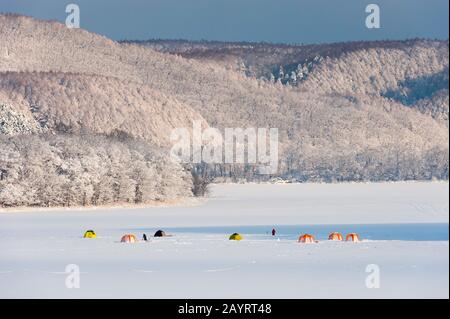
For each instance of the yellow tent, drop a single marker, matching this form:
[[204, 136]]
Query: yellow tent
[[236, 236], [90, 234]]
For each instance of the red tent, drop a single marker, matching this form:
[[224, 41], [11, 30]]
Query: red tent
[[352, 237], [128, 238], [335, 236], [306, 238]]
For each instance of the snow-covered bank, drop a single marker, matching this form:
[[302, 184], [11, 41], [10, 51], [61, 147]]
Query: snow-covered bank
[[36, 247], [280, 204], [179, 202]]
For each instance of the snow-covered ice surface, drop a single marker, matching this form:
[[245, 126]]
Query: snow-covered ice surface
[[404, 227]]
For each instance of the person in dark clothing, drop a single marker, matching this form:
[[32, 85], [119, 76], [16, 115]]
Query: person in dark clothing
[[274, 232], [144, 237]]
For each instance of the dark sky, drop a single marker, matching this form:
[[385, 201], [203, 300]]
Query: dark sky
[[288, 21]]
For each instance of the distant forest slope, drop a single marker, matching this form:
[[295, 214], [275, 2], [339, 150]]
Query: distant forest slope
[[367, 67], [262, 59]]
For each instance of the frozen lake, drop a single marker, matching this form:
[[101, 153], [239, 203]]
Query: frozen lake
[[410, 232], [404, 227]]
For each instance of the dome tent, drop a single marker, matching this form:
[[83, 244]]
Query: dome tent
[[90, 234], [335, 236], [306, 238], [128, 238], [353, 237], [160, 233], [236, 236]]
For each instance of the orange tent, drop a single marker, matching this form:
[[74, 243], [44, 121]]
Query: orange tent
[[128, 238], [306, 238], [352, 237], [335, 236]]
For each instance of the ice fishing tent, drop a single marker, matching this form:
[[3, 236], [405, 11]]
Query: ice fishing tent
[[90, 234], [335, 236], [236, 236], [160, 233], [128, 238], [306, 238], [352, 237]]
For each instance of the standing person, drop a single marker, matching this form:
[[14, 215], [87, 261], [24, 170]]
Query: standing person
[[144, 237], [274, 232]]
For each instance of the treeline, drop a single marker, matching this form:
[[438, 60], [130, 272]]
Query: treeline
[[67, 170], [386, 164], [371, 165]]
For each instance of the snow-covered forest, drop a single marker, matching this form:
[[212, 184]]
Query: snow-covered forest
[[83, 170]]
